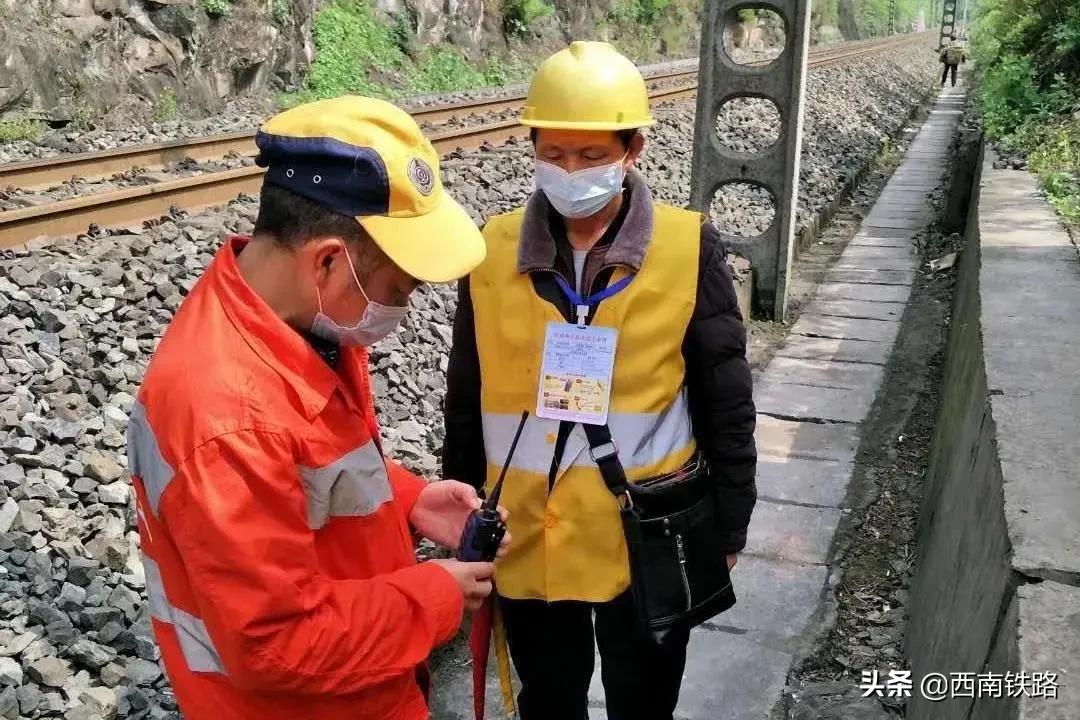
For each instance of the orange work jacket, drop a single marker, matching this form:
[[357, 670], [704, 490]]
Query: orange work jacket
[[279, 562]]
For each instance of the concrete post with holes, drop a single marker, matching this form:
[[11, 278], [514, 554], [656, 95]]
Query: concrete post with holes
[[776, 168], [948, 22]]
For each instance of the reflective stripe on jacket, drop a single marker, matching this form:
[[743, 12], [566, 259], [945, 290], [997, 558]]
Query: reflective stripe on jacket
[[568, 544], [279, 563]]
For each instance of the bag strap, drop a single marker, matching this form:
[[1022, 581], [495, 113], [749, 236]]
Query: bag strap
[[605, 454]]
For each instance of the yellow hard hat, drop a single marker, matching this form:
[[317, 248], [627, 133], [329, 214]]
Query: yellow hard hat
[[587, 86]]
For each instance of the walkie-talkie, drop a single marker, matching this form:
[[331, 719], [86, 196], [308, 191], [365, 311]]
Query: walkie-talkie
[[485, 528]]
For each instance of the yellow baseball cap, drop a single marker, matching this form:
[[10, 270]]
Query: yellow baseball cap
[[368, 159]]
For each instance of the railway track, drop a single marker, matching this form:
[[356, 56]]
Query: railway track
[[136, 204], [37, 174]]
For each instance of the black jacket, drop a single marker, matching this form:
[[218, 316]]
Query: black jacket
[[719, 387]]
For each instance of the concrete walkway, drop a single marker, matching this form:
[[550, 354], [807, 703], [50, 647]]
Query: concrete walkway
[[811, 399]]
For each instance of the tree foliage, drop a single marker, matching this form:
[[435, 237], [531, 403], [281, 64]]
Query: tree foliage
[[1028, 56], [358, 51], [521, 16], [875, 15]]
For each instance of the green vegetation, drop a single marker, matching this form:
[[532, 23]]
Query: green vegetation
[[216, 8], [349, 42], [82, 117], [20, 128], [889, 156], [165, 106], [356, 52], [648, 30], [1028, 57], [520, 16], [282, 11], [873, 15], [870, 18], [825, 12], [645, 13], [442, 69], [746, 15]]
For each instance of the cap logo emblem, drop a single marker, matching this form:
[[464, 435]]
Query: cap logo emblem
[[421, 176]]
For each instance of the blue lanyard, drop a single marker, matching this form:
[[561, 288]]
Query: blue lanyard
[[583, 305]]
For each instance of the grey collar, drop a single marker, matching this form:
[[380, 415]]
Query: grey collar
[[536, 248]]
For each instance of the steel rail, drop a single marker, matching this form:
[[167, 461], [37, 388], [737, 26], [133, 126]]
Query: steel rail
[[40, 174], [137, 204]]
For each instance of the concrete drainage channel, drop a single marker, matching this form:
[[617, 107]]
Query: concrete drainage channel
[[997, 594], [964, 484]]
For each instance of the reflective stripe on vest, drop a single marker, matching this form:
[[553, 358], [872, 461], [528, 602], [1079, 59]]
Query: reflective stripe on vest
[[568, 543], [643, 439], [195, 641], [354, 485]]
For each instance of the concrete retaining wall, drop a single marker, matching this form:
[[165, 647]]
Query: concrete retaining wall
[[998, 585]]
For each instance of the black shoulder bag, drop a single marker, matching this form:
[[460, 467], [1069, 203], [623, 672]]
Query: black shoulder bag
[[678, 569]]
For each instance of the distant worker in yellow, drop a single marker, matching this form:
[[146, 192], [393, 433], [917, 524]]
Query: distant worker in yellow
[[613, 319]]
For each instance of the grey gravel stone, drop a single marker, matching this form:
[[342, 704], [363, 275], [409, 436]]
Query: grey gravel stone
[[80, 712], [142, 672], [11, 672], [9, 703], [110, 631], [102, 700], [113, 674], [30, 698], [103, 468], [12, 474], [90, 654], [81, 571], [95, 618], [50, 671], [18, 644], [116, 493], [8, 512]]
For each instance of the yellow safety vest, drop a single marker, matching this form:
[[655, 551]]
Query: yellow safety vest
[[568, 544]]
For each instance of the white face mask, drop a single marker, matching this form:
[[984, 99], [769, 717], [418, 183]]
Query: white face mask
[[583, 193], [377, 322]]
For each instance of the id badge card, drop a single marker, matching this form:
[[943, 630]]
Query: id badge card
[[575, 376]]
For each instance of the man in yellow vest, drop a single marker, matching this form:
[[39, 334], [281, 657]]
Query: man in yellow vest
[[595, 305]]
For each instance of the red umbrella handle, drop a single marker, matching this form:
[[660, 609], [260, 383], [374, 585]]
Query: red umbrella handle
[[480, 644]]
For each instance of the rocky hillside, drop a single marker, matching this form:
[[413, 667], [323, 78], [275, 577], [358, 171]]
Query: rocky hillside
[[72, 60], [121, 63], [65, 60]]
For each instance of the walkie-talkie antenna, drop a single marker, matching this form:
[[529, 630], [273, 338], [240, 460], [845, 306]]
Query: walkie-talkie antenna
[[493, 501]]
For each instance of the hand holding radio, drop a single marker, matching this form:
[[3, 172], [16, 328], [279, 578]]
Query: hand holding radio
[[442, 510], [473, 578]]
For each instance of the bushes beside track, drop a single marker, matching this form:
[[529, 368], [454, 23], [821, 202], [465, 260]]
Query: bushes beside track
[[1028, 58]]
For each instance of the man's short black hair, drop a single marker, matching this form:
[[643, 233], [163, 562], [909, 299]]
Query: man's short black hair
[[292, 220], [626, 137]]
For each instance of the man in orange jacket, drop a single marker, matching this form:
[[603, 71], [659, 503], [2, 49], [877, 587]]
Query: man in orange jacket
[[276, 537]]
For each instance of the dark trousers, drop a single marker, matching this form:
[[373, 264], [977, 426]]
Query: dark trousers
[[551, 645], [945, 74]]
